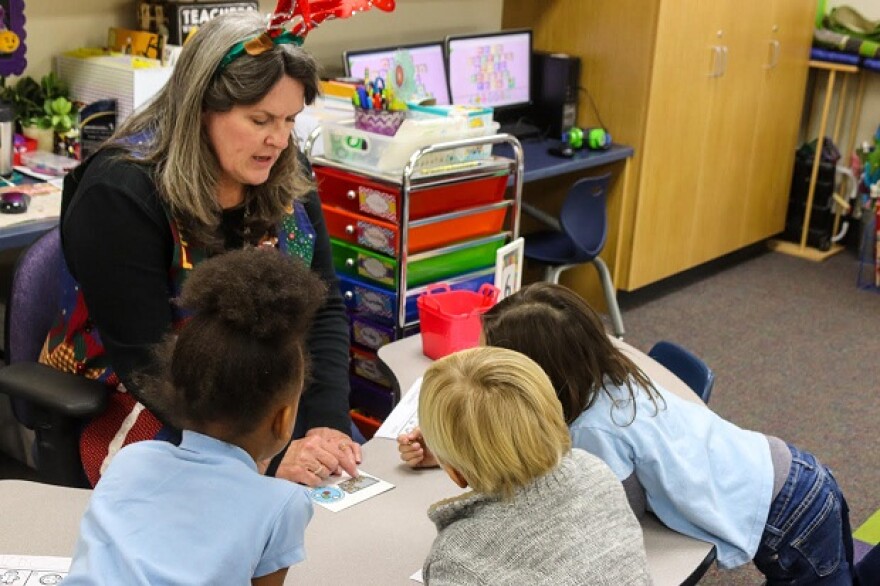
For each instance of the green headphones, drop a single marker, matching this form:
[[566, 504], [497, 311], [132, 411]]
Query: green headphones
[[596, 139]]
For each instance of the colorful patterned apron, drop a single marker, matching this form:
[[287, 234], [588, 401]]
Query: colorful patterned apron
[[74, 344]]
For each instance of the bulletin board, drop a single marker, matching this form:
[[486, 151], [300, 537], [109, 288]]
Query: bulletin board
[[12, 37]]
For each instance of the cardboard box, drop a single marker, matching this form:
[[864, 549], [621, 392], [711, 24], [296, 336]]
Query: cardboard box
[[131, 81]]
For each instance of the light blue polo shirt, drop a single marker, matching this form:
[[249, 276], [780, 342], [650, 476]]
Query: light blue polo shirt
[[195, 514], [703, 476]]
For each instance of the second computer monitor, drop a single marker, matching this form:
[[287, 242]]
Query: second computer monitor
[[429, 67], [490, 69]]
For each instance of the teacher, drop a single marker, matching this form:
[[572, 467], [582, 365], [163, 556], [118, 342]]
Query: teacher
[[209, 165]]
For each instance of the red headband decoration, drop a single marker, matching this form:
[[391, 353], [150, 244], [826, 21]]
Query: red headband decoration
[[301, 16]]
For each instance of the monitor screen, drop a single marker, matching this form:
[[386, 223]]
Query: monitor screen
[[491, 69], [429, 67]]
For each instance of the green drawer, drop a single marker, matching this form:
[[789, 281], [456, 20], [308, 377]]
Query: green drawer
[[422, 269]]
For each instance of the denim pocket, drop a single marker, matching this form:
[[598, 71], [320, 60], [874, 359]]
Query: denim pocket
[[820, 542]]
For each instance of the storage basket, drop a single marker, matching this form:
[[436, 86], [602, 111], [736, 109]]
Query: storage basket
[[450, 320], [385, 122]]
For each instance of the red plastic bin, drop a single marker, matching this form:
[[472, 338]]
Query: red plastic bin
[[450, 320]]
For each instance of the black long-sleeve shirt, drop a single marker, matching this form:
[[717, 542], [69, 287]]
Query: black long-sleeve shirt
[[118, 245]]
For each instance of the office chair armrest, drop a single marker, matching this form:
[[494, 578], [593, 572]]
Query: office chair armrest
[[61, 392]]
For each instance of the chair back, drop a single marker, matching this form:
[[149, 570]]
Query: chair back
[[32, 304], [583, 216], [685, 365]]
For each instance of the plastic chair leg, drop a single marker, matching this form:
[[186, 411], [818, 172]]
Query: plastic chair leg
[[610, 297], [552, 272]]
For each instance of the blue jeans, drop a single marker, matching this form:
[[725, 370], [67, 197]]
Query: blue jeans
[[807, 538]]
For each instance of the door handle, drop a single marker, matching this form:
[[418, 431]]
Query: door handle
[[774, 55]]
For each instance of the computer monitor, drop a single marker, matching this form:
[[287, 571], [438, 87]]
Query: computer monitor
[[490, 69], [429, 66]]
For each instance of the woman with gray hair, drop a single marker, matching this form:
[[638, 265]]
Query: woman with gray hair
[[209, 165]]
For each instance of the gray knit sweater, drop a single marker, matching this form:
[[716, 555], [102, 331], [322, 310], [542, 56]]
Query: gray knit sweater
[[570, 527]]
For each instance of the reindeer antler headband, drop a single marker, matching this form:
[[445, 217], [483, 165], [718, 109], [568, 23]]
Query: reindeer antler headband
[[292, 21]]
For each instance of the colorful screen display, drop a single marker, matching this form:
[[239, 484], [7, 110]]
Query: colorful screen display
[[491, 69], [428, 67]]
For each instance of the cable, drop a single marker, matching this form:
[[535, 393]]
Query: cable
[[595, 109]]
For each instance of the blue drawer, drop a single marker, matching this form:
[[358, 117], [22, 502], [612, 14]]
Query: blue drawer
[[370, 398], [380, 305]]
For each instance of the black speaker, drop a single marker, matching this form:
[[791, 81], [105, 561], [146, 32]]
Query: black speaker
[[555, 81]]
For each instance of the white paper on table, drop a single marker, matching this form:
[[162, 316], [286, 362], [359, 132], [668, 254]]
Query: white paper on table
[[417, 577], [31, 570], [405, 415], [337, 493]]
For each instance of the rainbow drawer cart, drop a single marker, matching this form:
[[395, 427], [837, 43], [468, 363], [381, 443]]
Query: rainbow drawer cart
[[394, 233]]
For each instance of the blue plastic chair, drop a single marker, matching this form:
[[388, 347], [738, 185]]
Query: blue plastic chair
[[579, 239], [685, 365]]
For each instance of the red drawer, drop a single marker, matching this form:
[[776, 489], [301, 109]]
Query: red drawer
[[359, 194], [383, 236]]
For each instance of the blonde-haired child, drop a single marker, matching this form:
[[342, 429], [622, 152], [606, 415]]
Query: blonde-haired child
[[539, 512]]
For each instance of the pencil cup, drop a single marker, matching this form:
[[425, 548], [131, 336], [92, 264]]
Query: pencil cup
[[385, 122]]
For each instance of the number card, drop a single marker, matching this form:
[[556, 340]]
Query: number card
[[509, 267]]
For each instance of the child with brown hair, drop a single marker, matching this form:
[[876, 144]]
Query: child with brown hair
[[231, 378], [539, 512], [752, 495]]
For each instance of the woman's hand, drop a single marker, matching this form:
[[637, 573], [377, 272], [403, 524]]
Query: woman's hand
[[321, 453], [413, 450]]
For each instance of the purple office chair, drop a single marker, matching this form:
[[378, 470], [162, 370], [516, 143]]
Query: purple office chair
[[579, 239], [52, 403], [685, 365]]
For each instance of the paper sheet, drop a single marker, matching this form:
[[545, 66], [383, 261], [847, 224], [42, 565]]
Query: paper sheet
[[28, 570], [405, 415], [341, 492], [417, 577]]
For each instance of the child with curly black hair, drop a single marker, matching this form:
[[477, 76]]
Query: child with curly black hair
[[231, 378]]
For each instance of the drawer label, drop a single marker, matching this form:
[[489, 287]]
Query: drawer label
[[369, 336], [375, 269], [374, 303], [377, 203], [370, 370], [375, 237]]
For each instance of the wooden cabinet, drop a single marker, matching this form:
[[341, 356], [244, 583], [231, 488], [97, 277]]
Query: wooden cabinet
[[709, 94]]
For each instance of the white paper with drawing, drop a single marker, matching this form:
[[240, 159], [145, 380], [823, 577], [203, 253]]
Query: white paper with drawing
[[405, 415], [337, 493], [30, 570]]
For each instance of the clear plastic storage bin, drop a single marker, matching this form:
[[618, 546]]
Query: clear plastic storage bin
[[389, 154]]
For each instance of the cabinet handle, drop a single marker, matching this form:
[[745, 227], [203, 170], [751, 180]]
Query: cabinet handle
[[350, 194], [716, 61], [349, 229], [349, 262], [774, 55], [724, 60], [349, 296]]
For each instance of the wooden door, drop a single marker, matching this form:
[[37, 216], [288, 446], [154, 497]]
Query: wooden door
[[734, 106], [680, 100], [786, 45]]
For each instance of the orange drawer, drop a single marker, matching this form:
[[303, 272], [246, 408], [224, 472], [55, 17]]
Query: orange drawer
[[383, 236], [362, 195]]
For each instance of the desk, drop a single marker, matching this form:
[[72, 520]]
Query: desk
[[539, 164], [381, 541], [673, 558], [23, 234]]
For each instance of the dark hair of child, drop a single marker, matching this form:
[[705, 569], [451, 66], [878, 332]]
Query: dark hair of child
[[243, 345], [556, 328]]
